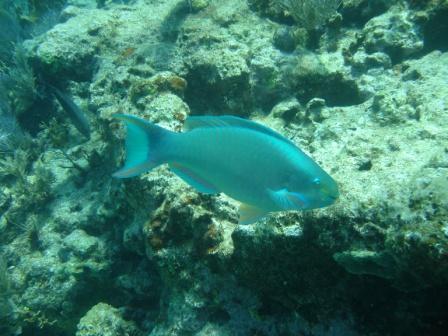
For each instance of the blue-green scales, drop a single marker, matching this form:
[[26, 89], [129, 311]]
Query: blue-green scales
[[243, 159]]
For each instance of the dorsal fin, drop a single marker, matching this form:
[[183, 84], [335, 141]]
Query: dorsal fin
[[193, 122]]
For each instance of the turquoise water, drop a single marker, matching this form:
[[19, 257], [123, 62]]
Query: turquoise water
[[359, 86]]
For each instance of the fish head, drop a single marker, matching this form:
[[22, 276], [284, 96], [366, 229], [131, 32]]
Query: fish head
[[312, 189], [325, 190]]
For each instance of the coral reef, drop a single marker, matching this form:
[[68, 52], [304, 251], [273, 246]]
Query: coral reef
[[363, 91], [104, 320], [310, 14]]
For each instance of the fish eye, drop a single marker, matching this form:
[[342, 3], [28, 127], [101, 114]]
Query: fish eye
[[316, 181]]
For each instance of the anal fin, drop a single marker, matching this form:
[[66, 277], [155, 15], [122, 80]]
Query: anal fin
[[192, 179], [250, 214], [131, 171]]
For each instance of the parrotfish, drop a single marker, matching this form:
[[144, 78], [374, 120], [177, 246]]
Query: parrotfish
[[243, 159], [73, 111]]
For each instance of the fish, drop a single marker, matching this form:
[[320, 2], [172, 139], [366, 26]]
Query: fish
[[73, 111], [245, 160]]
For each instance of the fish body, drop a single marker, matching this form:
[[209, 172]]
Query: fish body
[[243, 159], [72, 110]]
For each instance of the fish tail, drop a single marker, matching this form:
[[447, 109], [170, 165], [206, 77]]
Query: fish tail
[[142, 143]]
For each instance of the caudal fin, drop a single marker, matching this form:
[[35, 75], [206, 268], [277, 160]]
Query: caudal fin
[[142, 142]]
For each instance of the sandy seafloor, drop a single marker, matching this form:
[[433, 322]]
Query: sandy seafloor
[[362, 88]]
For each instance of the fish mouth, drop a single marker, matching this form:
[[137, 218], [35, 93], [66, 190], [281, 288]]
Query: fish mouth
[[333, 197], [330, 197], [331, 200]]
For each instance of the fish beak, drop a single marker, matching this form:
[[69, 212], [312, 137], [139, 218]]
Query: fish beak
[[330, 194]]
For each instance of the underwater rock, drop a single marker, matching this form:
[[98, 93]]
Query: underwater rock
[[69, 49], [281, 252], [81, 244], [313, 75], [360, 11], [269, 9], [310, 15], [364, 61], [367, 262], [91, 4], [392, 109], [432, 16], [8, 313], [284, 39], [8, 131], [143, 91], [217, 60], [45, 300], [266, 78], [105, 320], [315, 108], [394, 33], [218, 72], [289, 110], [368, 106], [197, 5]]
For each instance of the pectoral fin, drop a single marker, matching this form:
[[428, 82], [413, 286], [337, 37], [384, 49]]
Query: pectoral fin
[[192, 179], [288, 200], [250, 214]]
